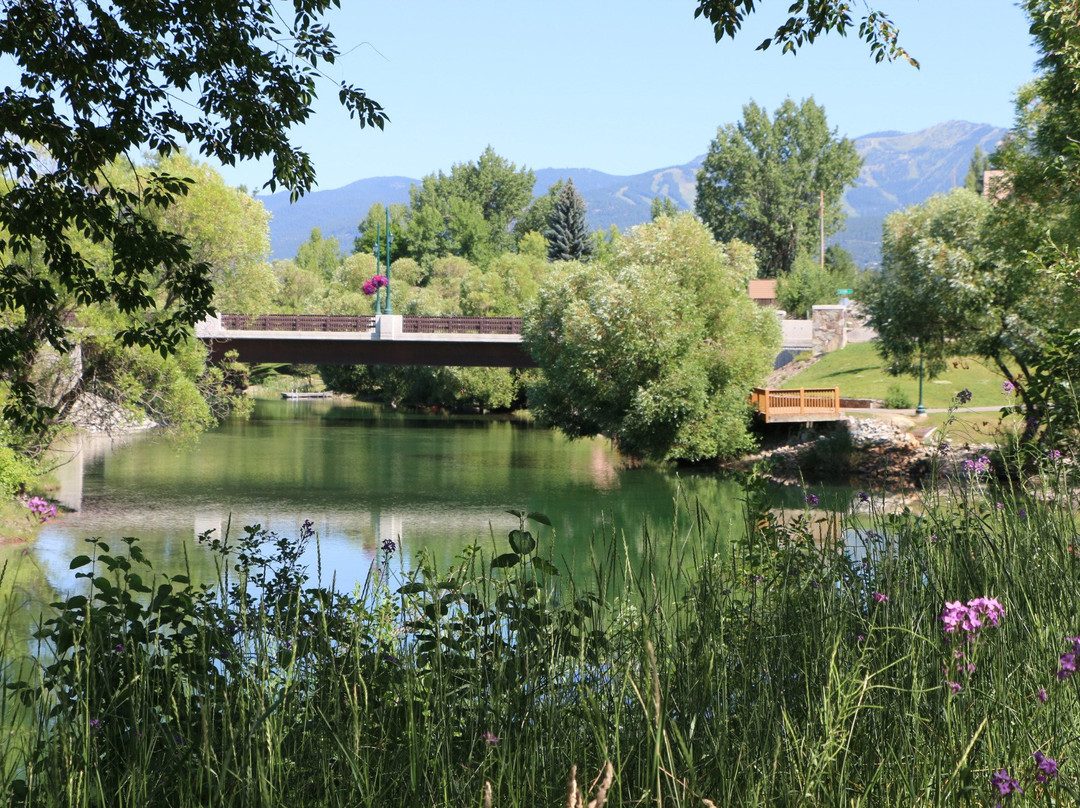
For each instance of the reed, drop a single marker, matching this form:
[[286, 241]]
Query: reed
[[870, 660]]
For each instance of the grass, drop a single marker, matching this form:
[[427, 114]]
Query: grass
[[807, 665], [859, 373]]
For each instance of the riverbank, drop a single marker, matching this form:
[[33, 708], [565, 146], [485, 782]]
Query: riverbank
[[918, 666]]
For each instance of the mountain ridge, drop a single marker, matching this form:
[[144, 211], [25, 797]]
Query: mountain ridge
[[899, 169]]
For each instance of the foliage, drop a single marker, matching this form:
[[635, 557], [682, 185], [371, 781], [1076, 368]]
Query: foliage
[[567, 232], [98, 81], [319, 256], [17, 473], [928, 297], [657, 348], [809, 284], [897, 399], [837, 651], [761, 181], [467, 213], [980, 162], [807, 20], [662, 206], [536, 216]]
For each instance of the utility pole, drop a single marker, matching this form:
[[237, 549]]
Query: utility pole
[[821, 222]]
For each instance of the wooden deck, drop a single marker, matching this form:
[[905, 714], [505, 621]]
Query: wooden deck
[[804, 405]]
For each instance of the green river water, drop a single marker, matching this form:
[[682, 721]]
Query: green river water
[[363, 474]]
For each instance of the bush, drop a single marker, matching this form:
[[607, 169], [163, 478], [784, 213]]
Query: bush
[[897, 399], [17, 473]]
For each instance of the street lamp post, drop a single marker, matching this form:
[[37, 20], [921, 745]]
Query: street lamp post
[[389, 243], [920, 410]]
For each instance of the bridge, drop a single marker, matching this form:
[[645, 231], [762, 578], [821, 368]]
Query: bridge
[[382, 339]]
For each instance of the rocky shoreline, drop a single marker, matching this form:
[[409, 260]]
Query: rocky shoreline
[[862, 451]]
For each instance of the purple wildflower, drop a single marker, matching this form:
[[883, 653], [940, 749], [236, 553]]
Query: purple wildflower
[[811, 500], [955, 687], [95, 723], [1054, 454], [1041, 695], [489, 737], [999, 505], [389, 546], [1004, 783], [41, 509], [1007, 388], [1047, 766], [118, 648], [860, 638], [1066, 666], [864, 497], [977, 467], [307, 529], [963, 397], [880, 598]]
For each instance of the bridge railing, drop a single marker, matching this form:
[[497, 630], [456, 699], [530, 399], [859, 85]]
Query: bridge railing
[[804, 401], [298, 322], [460, 325]]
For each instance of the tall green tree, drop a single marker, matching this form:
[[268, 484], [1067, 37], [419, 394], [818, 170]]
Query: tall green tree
[[925, 304], [468, 212], [567, 232], [762, 179], [657, 348], [318, 255], [662, 206], [97, 81]]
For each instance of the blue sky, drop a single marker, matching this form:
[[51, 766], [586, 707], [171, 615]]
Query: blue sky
[[633, 85]]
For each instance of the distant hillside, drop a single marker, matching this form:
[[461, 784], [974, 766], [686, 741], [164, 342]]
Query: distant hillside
[[899, 169]]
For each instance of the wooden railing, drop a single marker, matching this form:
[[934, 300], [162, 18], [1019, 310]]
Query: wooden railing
[[366, 322], [789, 404], [298, 322], [460, 325]]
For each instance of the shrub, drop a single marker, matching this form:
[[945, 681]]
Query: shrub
[[897, 399]]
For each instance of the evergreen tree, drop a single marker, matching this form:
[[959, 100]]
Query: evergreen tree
[[568, 232]]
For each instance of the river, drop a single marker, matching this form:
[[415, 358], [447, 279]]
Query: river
[[364, 474]]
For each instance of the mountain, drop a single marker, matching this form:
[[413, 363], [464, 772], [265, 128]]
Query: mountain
[[899, 169]]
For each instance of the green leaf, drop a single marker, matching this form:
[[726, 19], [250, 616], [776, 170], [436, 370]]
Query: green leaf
[[515, 512], [412, 589], [79, 561], [536, 516], [522, 541], [545, 566], [505, 560]]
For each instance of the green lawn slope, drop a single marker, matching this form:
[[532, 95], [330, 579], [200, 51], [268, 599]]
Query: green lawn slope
[[860, 373]]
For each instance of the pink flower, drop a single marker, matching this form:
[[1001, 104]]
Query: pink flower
[[880, 598], [1041, 695]]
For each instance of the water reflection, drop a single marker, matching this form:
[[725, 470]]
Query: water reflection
[[365, 474]]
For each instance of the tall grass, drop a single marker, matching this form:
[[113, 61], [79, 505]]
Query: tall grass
[[804, 665]]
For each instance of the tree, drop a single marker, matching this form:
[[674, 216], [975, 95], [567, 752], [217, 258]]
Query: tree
[[762, 179], [810, 284], [980, 162], [98, 81], [319, 256], [663, 206], [657, 349], [568, 230], [535, 218], [924, 304], [468, 213]]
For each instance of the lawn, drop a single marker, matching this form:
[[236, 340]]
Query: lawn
[[860, 373]]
